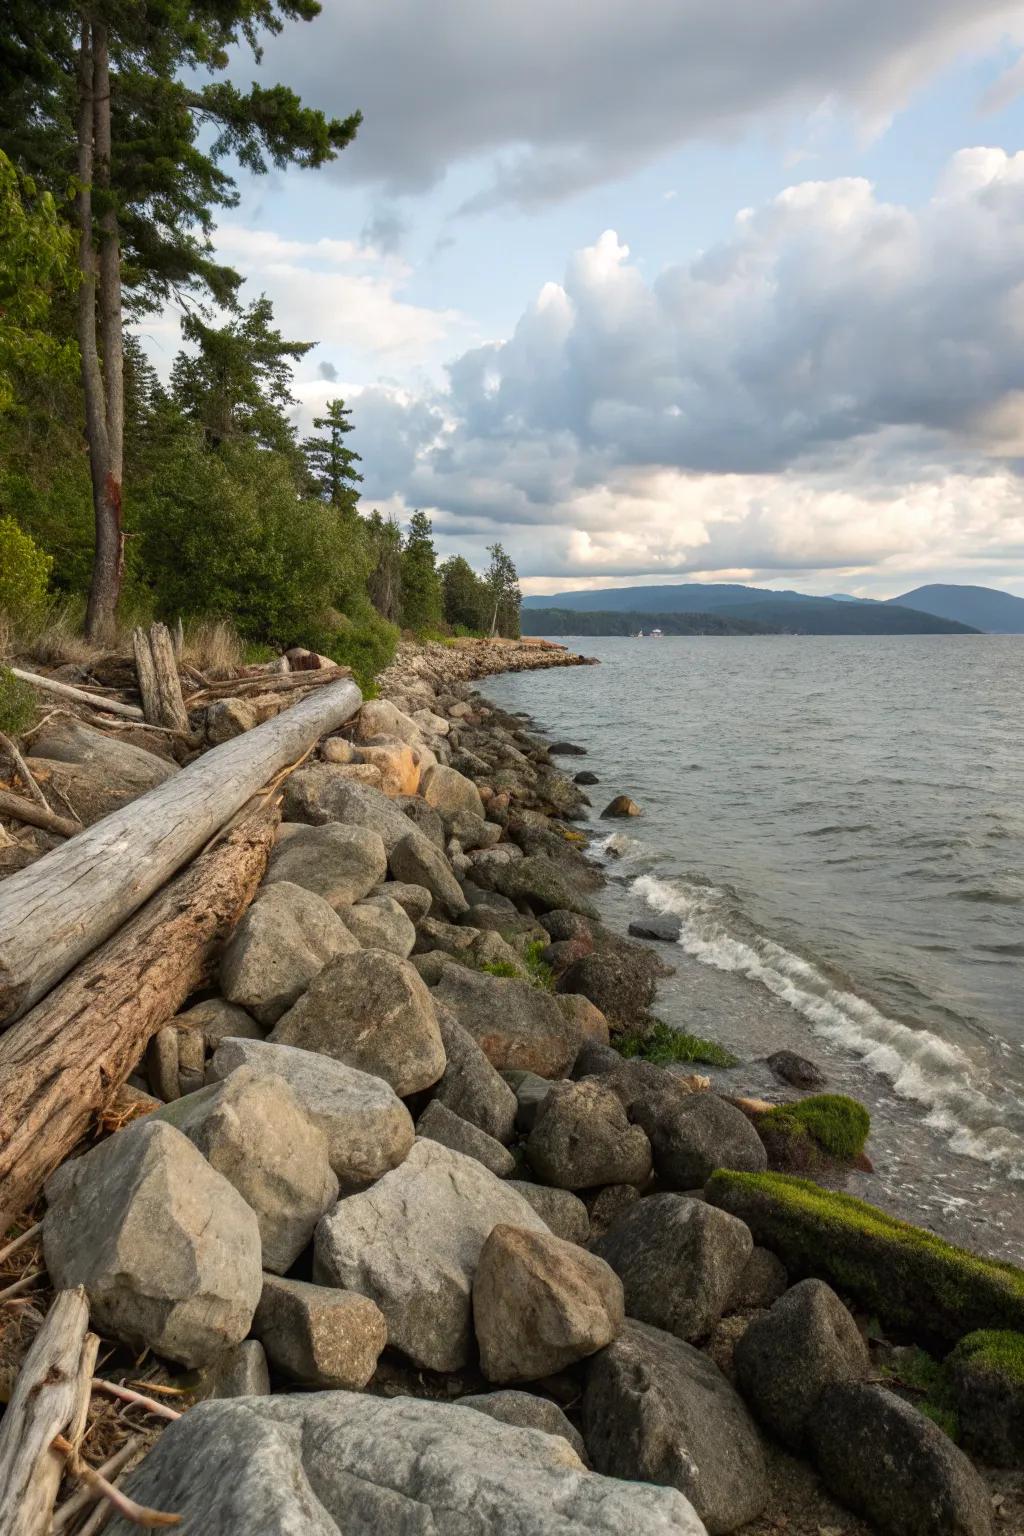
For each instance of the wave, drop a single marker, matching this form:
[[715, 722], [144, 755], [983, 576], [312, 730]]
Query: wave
[[920, 1065]]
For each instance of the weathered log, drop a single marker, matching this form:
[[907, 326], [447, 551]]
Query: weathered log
[[63, 1063], [156, 668], [79, 695], [33, 815], [59, 908], [47, 1399]]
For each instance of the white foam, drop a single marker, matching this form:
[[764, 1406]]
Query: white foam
[[921, 1066]]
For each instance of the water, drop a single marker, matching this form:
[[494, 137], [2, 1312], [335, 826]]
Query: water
[[839, 824]]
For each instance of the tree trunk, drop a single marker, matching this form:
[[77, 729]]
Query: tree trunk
[[108, 452], [59, 908], [157, 670], [64, 1062]]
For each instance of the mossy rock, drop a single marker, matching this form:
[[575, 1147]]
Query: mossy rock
[[909, 1278], [985, 1380], [659, 1043], [814, 1133]]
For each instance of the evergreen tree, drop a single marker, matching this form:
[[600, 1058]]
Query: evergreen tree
[[422, 607], [37, 265], [331, 464], [466, 604], [504, 596], [385, 580], [108, 96]]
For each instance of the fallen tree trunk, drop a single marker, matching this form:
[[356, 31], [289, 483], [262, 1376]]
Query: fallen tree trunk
[[51, 1394], [58, 909], [21, 809], [78, 695], [64, 1062]]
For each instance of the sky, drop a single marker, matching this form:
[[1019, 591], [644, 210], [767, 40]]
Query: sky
[[665, 290]]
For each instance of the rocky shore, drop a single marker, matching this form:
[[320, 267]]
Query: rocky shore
[[430, 1225]]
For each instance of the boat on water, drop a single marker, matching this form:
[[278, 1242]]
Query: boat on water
[[655, 634]]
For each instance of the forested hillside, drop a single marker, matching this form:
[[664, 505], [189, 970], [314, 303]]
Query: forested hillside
[[124, 496]]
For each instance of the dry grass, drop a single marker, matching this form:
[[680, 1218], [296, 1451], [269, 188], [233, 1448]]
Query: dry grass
[[53, 637], [214, 648]]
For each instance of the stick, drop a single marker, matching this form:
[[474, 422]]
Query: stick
[[72, 1508], [65, 691], [127, 1395], [138, 1514], [44, 1401], [21, 1285], [19, 1242], [22, 769], [20, 809]]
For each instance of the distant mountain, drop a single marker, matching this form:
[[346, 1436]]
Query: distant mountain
[[567, 621], [805, 616], [985, 608], [686, 597]]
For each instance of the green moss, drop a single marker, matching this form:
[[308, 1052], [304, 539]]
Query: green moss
[[999, 1352], [499, 968], [909, 1277], [17, 703], [836, 1126], [661, 1044], [541, 973]]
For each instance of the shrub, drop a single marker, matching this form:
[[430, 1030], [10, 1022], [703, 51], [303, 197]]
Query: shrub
[[541, 973], [826, 1128], [24, 572], [659, 1043], [365, 643], [906, 1275], [17, 704]]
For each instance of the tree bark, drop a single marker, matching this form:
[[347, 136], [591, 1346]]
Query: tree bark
[[64, 1062], [34, 815], [79, 695], [59, 908], [47, 1398], [157, 670]]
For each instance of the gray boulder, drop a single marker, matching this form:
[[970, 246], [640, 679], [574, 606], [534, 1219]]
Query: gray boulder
[[416, 861], [472, 831], [620, 981], [886, 1461], [515, 1024], [679, 1263], [215, 1019], [788, 1356], [380, 923], [559, 1209], [656, 1410], [692, 1134], [449, 792], [341, 864], [761, 1283], [369, 1131], [582, 1138], [412, 1243], [166, 1248], [371, 1011], [252, 1129], [438, 1123], [97, 771], [536, 882], [470, 1086], [984, 1380], [227, 718], [283, 940], [531, 1091], [594, 1058], [319, 1336], [527, 1411], [322, 793], [317, 1464], [414, 900], [240, 1371], [423, 817], [541, 1304]]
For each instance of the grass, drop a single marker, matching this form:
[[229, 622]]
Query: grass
[[500, 968], [910, 1278], [662, 1045], [926, 1377], [17, 704], [828, 1127], [541, 973]]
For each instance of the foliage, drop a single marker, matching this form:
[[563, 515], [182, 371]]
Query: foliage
[[500, 968], [837, 1126], [37, 265], [421, 587], [24, 571], [541, 973], [569, 621], [660, 1043], [503, 594], [332, 465], [465, 597], [384, 581], [365, 643], [998, 1351], [910, 1277], [17, 704]]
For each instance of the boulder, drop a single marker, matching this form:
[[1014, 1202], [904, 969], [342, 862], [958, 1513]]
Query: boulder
[[423, 818], [215, 1019], [530, 1092], [560, 926], [394, 761], [527, 1411], [470, 1086], [283, 940], [228, 718], [587, 776], [166, 1248], [438, 1123], [337, 750], [429, 723], [582, 1138], [371, 1011], [692, 1134], [796, 1070], [414, 900], [450, 792], [252, 1129], [584, 1017], [656, 1410], [322, 793], [317, 1335], [357, 772], [315, 1464], [595, 1059], [762, 1282], [621, 982], [515, 1024], [341, 864], [621, 806], [679, 1261], [417, 862], [985, 1378], [96, 771], [240, 1371], [412, 1242], [788, 1356], [379, 717], [662, 927], [566, 749], [608, 1205], [540, 1304], [380, 923], [369, 1131], [886, 1461], [471, 831], [561, 1211], [537, 882]]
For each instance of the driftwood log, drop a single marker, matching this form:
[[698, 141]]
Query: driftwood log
[[51, 1395], [19, 808], [156, 667], [58, 909], [63, 1063], [78, 695]]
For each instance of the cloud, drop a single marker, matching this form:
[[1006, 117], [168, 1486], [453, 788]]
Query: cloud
[[551, 99], [839, 386], [327, 371]]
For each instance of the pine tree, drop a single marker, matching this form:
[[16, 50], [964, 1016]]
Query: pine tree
[[331, 464], [385, 580], [466, 602], [107, 96], [421, 587]]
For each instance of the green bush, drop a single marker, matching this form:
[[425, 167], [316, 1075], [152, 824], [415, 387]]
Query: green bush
[[17, 704], [826, 1128], [24, 572], [659, 1043], [366, 643], [906, 1275]]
